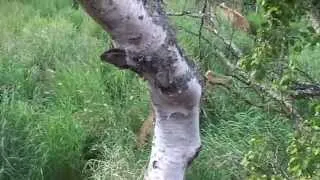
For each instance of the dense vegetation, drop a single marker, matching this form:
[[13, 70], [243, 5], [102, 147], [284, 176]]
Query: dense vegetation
[[66, 115]]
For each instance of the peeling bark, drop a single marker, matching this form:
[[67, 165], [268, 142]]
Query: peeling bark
[[147, 45]]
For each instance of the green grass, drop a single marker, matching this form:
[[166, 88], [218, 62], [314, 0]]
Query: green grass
[[57, 98], [66, 115]]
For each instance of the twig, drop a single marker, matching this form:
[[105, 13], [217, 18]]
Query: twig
[[194, 34], [226, 81], [236, 52], [290, 110], [201, 26], [185, 13], [230, 42], [305, 74]]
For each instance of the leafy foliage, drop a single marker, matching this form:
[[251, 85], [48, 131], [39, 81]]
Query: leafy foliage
[[281, 35], [279, 39], [304, 150]]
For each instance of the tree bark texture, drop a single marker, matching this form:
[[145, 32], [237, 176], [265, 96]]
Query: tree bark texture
[[147, 45], [315, 15]]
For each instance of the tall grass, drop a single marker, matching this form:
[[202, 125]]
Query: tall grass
[[65, 115], [57, 98]]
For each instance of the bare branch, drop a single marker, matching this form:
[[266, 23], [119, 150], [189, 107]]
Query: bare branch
[[204, 9], [289, 109], [185, 13], [305, 74], [225, 81], [305, 90]]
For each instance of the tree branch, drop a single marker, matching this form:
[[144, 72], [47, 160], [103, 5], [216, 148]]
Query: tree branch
[[204, 9], [283, 100], [185, 13], [305, 90]]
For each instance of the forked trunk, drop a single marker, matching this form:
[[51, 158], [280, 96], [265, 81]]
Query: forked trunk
[[148, 46]]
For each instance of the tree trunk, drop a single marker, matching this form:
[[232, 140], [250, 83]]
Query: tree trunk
[[148, 46], [315, 15]]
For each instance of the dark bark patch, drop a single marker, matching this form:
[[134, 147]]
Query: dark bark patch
[[155, 165], [140, 17], [178, 116], [135, 39], [116, 57], [194, 156]]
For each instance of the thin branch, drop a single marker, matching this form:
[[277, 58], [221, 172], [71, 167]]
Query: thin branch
[[236, 52], [230, 42], [290, 110], [184, 13], [305, 74], [305, 90], [226, 81], [204, 9]]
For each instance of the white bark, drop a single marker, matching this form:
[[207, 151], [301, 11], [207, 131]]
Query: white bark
[[147, 45], [314, 14]]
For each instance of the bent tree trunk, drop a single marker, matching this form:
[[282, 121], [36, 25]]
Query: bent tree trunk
[[147, 45]]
